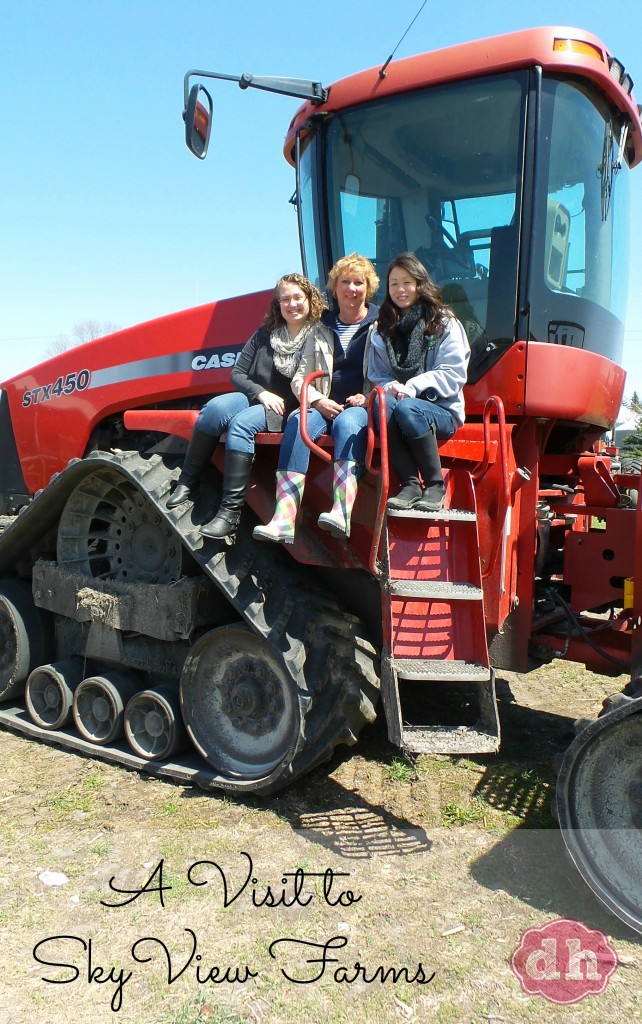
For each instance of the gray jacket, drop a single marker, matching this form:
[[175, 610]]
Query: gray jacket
[[444, 374]]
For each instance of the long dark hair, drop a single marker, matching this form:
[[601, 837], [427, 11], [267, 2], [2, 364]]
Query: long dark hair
[[434, 309]]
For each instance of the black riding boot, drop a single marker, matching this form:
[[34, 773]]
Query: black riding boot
[[426, 455], [236, 477], [199, 452], [405, 467]]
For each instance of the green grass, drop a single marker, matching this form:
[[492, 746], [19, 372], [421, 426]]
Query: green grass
[[401, 771], [170, 809], [453, 813], [102, 848], [79, 796], [448, 1014], [525, 794], [200, 1010]]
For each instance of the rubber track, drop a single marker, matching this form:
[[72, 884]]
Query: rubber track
[[332, 665]]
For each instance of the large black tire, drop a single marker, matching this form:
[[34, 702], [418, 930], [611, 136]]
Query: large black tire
[[250, 718], [631, 464], [599, 807], [239, 703]]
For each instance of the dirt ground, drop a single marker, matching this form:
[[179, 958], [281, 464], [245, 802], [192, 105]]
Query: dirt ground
[[125, 899]]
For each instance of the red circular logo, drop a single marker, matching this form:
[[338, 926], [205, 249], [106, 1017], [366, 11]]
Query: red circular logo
[[564, 961]]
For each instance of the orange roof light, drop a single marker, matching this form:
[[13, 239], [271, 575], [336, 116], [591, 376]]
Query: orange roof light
[[578, 46]]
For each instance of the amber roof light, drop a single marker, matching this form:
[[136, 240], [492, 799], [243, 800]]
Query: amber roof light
[[578, 46]]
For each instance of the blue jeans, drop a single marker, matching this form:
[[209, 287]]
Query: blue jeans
[[233, 413], [349, 432], [417, 417]]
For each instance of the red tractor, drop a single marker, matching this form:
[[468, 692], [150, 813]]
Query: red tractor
[[504, 165]]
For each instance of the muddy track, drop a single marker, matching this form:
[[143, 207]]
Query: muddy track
[[332, 667]]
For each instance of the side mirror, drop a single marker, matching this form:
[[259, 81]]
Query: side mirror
[[198, 121]]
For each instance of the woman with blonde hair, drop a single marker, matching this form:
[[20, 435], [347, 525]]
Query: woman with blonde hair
[[336, 403], [262, 401]]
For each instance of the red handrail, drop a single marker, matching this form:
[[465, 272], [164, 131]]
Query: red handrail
[[480, 469], [482, 466], [382, 474], [303, 418]]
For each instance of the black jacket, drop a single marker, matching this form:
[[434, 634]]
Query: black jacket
[[255, 372]]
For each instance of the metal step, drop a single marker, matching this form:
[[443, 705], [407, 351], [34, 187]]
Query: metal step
[[441, 671], [428, 726], [436, 590], [453, 514], [422, 739]]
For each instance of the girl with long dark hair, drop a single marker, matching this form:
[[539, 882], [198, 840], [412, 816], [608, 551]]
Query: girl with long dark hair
[[419, 355]]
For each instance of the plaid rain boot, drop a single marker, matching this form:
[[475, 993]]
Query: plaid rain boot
[[345, 482], [289, 491]]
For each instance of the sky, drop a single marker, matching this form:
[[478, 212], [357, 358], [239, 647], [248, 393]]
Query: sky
[[106, 216]]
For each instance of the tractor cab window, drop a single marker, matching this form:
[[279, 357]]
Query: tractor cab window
[[526, 234], [437, 172], [581, 213]]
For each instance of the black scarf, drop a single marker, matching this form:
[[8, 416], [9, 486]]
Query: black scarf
[[408, 346]]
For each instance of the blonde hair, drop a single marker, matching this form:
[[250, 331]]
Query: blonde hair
[[356, 264]]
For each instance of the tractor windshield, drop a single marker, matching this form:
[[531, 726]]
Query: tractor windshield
[[496, 184]]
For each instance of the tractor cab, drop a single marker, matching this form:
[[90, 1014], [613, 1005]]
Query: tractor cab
[[504, 165], [512, 188]]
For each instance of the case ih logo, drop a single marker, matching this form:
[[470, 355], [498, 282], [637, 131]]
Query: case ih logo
[[564, 961]]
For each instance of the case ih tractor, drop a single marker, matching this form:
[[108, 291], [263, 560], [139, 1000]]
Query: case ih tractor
[[504, 165]]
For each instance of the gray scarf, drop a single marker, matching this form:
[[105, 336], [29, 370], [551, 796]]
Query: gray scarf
[[408, 346], [287, 350]]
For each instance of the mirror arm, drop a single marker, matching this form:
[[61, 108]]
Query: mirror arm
[[300, 88]]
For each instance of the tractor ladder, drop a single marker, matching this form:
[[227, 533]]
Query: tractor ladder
[[437, 685]]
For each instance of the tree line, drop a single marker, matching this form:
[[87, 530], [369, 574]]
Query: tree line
[[83, 331]]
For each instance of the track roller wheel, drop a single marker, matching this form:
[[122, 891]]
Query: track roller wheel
[[49, 692], [599, 808], [99, 705], [153, 723], [25, 637], [239, 704]]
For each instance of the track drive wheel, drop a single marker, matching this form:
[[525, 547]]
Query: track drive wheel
[[25, 637], [239, 704], [599, 808], [109, 530]]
